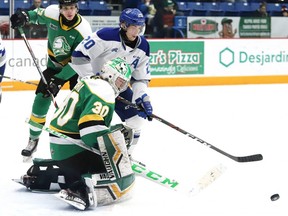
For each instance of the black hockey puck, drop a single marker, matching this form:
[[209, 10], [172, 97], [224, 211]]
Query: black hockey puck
[[274, 197]]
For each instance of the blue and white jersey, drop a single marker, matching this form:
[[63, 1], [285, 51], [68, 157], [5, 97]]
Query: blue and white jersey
[[2, 53], [106, 44]]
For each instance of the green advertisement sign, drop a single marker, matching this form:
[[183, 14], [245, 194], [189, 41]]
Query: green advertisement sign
[[203, 26], [176, 57], [255, 27]]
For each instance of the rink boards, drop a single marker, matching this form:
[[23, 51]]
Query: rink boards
[[182, 62]]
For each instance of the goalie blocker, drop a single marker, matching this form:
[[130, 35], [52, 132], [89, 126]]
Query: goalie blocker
[[100, 188]]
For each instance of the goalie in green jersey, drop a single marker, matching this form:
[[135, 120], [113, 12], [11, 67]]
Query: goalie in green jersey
[[84, 178], [66, 29]]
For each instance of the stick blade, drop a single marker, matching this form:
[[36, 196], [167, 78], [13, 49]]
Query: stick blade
[[208, 179], [250, 158]]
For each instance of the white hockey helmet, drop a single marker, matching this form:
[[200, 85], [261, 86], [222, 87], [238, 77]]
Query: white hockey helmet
[[118, 73]]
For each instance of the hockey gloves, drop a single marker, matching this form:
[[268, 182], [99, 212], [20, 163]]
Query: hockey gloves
[[53, 87], [145, 107], [19, 19]]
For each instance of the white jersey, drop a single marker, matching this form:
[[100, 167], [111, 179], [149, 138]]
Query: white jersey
[[106, 44], [2, 53]]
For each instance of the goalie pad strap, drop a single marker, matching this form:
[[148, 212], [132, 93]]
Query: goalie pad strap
[[49, 176]]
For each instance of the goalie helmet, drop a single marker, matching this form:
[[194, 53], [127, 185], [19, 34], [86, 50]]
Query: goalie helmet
[[118, 73]]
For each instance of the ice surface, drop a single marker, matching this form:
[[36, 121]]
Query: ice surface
[[241, 120]]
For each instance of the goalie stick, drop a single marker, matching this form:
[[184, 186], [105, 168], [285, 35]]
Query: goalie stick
[[249, 158], [37, 65], [141, 170]]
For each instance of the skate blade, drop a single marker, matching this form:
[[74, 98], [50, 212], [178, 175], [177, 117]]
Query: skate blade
[[72, 203], [27, 159], [19, 181]]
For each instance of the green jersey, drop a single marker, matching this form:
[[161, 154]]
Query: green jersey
[[85, 114], [62, 39]]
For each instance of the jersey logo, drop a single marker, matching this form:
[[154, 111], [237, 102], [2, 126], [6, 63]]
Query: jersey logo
[[53, 27], [114, 50], [135, 62], [60, 46]]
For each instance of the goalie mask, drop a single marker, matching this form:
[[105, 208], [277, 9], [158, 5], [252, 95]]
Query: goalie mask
[[118, 73]]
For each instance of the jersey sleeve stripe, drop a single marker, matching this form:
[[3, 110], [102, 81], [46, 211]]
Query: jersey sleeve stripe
[[93, 129], [91, 117]]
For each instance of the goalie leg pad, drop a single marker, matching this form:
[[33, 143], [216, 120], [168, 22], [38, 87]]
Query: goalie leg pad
[[114, 155], [46, 176], [127, 132], [120, 177], [109, 192]]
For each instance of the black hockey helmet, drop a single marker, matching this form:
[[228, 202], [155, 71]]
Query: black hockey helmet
[[67, 2]]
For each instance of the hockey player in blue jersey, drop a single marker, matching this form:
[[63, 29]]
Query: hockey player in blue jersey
[[2, 63], [126, 42]]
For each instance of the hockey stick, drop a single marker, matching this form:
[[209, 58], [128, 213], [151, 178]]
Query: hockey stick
[[141, 170], [249, 158], [37, 65], [18, 80]]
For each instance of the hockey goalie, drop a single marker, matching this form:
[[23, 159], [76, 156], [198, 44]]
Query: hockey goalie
[[85, 179]]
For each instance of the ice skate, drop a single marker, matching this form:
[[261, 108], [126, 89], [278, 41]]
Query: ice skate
[[29, 150]]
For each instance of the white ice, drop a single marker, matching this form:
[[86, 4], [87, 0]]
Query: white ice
[[241, 120]]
